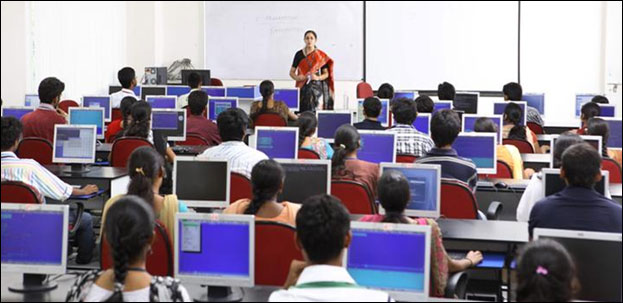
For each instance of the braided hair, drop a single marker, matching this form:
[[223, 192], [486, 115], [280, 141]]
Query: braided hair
[[267, 178], [144, 167], [267, 89], [346, 141]]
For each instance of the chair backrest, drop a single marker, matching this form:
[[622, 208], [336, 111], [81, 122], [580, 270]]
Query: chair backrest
[[504, 171], [535, 128], [66, 104], [308, 154], [38, 149], [122, 148], [159, 261], [269, 119], [457, 200], [355, 196], [364, 90], [240, 188], [275, 248], [215, 82], [116, 114], [613, 168], [19, 192], [523, 146], [405, 158], [194, 139]]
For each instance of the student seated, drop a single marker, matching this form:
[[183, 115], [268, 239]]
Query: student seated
[[32, 173], [588, 111], [115, 128], [308, 123], [394, 194], [513, 129], [127, 78], [578, 206], [372, 108], [405, 112], [269, 104], [545, 273], [445, 127], [599, 127], [40, 122], [513, 92], [130, 233], [197, 123], [446, 92], [424, 104], [267, 178], [232, 125], [345, 165], [386, 91], [140, 126], [600, 100], [195, 82], [322, 234]]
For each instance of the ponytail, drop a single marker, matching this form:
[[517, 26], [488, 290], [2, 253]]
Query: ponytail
[[395, 217], [307, 123], [394, 195], [121, 261], [144, 167], [267, 89], [141, 115], [267, 178], [346, 141]]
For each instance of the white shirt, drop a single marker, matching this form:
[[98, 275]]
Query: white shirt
[[183, 99], [98, 294], [241, 157], [331, 274], [115, 98]]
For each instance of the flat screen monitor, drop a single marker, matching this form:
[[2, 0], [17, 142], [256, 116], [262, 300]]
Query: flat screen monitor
[[115, 88], [594, 141], [31, 101], [244, 92], [580, 99], [500, 106], [439, 105], [162, 102], [470, 119], [614, 141], [99, 102], [155, 90], [383, 117], [377, 146], [18, 112], [170, 123], [88, 116], [424, 185], [290, 96], [405, 94], [214, 91], [305, 178], [607, 110], [330, 120], [467, 102], [553, 183], [422, 123], [204, 73], [277, 142], [217, 105], [481, 148], [74, 144], [201, 182], [536, 100], [177, 90]]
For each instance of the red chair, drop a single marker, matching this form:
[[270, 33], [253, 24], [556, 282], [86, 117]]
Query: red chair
[[269, 119], [240, 188], [216, 82], [275, 248], [457, 200], [66, 104], [159, 261], [38, 149], [122, 148], [504, 171], [405, 158], [194, 139], [355, 196], [613, 168], [308, 154], [116, 114], [364, 90], [535, 128], [523, 146]]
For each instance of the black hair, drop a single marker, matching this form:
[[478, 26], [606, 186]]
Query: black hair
[[394, 195], [49, 89], [126, 109], [194, 80], [386, 91], [566, 140], [446, 91], [307, 123], [513, 115], [599, 127], [372, 107], [445, 127], [404, 110], [125, 76], [197, 102], [144, 166], [545, 273], [485, 125], [590, 110], [232, 124], [129, 231], [141, 115], [267, 177], [311, 32], [581, 163], [11, 132], [600, 99], [513, 91], [346, 141], [424, 104], [267, 89], [322, 224]]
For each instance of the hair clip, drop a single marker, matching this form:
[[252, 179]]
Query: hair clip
[[343, 146], [140, 171], [542, 270]]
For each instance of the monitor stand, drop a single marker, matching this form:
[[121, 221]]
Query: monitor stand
[[78, 169], [220, 294], [33, 283]]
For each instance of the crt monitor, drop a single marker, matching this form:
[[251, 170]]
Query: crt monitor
[[74, 144], [330, 120], [377, 146], [383, 117], [467, 102], [305, 178], [155, 90], [289, 96], [31, 100], [277, 142], [470, 119], [480, 148], [422, 123], [391, 257], [201, 182], [580, 99], [597, 257], [88, 116], [553, 183], [16, 112], [424, 185], [500, 106], [404, 94], [170, 123], [204, 73], [177, 90], [607, 110], [535, 100], [217, 105], [214, 91], [99, 102], [162, 102], [594, 141], [614, 141], [439, 105]]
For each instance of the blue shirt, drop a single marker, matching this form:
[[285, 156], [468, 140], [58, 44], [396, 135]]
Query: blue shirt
[[452, 166]]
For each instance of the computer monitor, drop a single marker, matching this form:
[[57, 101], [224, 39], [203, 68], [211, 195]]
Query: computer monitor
[[34, 242], [597, 258], [201, 183], [424, 185], [581, 99], [162, 102], [153, 90], [204, 73], [18, 112], [290, 96], [391, 257], [170, 123], [607, 110], [405, 94], [422, 123], [277, 142], [383, 117], [330, 120], [481, 148], [217, 105], [594, 141], [88, 116], [377, 146], [467, 102], [244, 92], [99, 102], [115, 88], [500, 106], [553, 183], [439, 105], [470, 119], [74, 144], [305, 178], [177, 90], [614, 141], [536, 100], [31, 100], [214, 91]]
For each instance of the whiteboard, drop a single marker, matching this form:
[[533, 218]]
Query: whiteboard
[[417, 45], [258, 40]]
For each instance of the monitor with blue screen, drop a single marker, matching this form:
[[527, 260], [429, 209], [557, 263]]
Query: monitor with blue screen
[[31, 100], [16, 112], [162, 102], [377, 146], [580, 99], [190, 186], [88, 116], [74, 144], [391, 257], [422, 123], [424, 185], [244, 92], [290, 96], [607, 110], [115, 88], [177, 90], [170, 123], [470, 119], [217, 105], [305, 178], [99, 102], [614, 141], [153, 90], [383, 117], [466, 102], [535, 100], [405, 94], [439, 105], [214, 91], [330, 120], [480, 148], [500, 106], [277, 142]]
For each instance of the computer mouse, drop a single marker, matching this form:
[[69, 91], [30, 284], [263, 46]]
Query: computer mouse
[[501, 185]]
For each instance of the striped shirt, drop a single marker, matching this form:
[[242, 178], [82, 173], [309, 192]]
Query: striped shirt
[[452, 166], [241, 158], [416, 144], [32, 173], [533, 115]]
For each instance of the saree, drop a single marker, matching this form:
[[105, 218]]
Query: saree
[[312, 64]]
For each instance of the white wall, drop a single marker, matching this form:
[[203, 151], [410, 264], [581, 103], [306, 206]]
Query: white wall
[[13, 63]]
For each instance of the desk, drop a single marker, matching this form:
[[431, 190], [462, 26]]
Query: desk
[[189, 150], [509, 197], [536, 161], [102, 151]]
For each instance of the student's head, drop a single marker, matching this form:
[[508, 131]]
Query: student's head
[[424, 104], [599, 127], [267, 178], [394, 195], [386, 91], [485, 125], [445, 127], [590, 110], [129, 231], [310, 38], [194, 80], [512, 91], [346, 141], [197, 102], [141, 117], [126, 109], [600, 99], [404, 110], [445, 91], [323, 229], [563, 142], [372, 107], [545, 273], [232, 124], [146, 170], [11, 133], [581, 166], [267, 90], [127, 77], [307, 123], [513, 114], [50, 90]]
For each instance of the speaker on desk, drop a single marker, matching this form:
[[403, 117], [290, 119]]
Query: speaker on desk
[[155, 76]]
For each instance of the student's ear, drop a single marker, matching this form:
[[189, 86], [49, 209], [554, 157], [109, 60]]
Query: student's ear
[[153, 238], [598, 177], [281, 186], [297, 240], [348, 239], [134, 82], [563, 174], [161, 173]]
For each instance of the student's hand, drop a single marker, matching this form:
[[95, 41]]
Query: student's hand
[[474, 256], [296, 268], [527, 173], [62, 113], [301, 78], [89, 189]]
